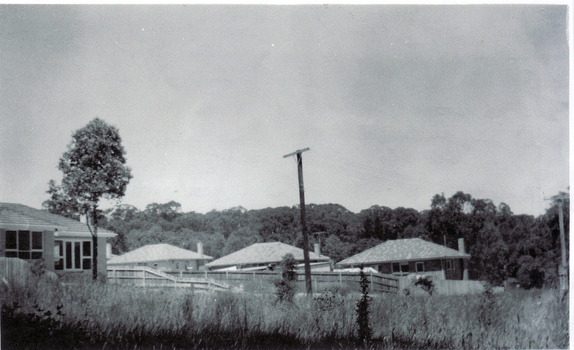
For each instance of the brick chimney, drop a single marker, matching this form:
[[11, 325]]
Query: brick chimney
[[200, 248], [461, 245], [464, 261], [317, 249]]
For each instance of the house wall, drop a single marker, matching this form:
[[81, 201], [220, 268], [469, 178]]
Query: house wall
[[455, 273], [47, 247], [102, 259], [2, 243], [168, 265]]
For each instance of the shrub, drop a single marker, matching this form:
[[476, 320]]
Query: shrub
[[426, 284], [328, 300], [286, 287], [365, 331]]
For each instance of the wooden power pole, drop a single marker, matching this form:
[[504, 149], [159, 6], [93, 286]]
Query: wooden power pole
[[563, 268], [308, 283]]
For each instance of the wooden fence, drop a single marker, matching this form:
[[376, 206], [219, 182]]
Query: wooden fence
[[15, 271], [18, 272], [147, 277], [444, 287], [377, 282]]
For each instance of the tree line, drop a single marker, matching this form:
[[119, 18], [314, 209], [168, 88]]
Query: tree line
[[502, 245]]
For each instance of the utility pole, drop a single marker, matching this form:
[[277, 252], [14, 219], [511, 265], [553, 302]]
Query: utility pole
[[563, 268], [303, 223]]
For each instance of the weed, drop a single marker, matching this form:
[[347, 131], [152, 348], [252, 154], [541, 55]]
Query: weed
[[286, 287], [426, 284], [89, 315], [365, 332]]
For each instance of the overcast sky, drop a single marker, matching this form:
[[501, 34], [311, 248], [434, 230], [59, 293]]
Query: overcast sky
[[396, 103]]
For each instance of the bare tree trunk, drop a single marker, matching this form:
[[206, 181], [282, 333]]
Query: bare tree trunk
[[95, 244]]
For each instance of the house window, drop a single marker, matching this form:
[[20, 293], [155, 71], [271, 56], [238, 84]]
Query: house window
[[401, 268], [73, 255], [24, 244], [405, 267], [449, 265], [420, 266]]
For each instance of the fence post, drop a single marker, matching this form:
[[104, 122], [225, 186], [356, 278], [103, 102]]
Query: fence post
[[144, 271]]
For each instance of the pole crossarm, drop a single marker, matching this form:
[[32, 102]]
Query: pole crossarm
[[296, 152]]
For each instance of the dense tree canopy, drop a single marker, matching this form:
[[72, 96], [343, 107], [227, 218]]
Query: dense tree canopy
[[502, 245], [93, 168]]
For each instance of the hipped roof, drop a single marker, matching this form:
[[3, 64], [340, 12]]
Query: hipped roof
[[21, 217], [157, 252], [403, 250], [264, 253]]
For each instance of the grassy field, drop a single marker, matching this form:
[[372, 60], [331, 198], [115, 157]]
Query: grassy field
[[48, 315]]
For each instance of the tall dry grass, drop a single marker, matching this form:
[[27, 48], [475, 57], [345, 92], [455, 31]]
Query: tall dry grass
[[99, 315]]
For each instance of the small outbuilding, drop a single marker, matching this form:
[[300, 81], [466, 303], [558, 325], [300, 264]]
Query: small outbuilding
[[413, 256], [163, 257], [261, 256]]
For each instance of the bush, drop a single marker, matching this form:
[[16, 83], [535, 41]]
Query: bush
[[365, 331], [286, 287], [426, 284]]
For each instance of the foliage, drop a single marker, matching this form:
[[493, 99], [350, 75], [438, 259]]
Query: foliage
[[286, 287], [425, 284], [94, 168], [502, 244], [328, 300], [94, 165], [365, 332]]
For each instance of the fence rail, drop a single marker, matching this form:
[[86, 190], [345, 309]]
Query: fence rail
[[148, 277], [377, 282], [444, 287]]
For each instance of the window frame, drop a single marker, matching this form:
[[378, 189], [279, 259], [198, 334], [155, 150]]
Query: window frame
[[71, 254], [400, 270], [446, 264], [420, 263], [31, 252]]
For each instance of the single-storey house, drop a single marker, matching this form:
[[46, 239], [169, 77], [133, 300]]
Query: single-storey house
[[64, 244], [163, 257], [261, 256], [413, 256]]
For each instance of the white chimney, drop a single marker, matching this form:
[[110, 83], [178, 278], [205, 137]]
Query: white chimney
[[108, 250], [461, 245], [317, 249], [83, 219], [200, 248]]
